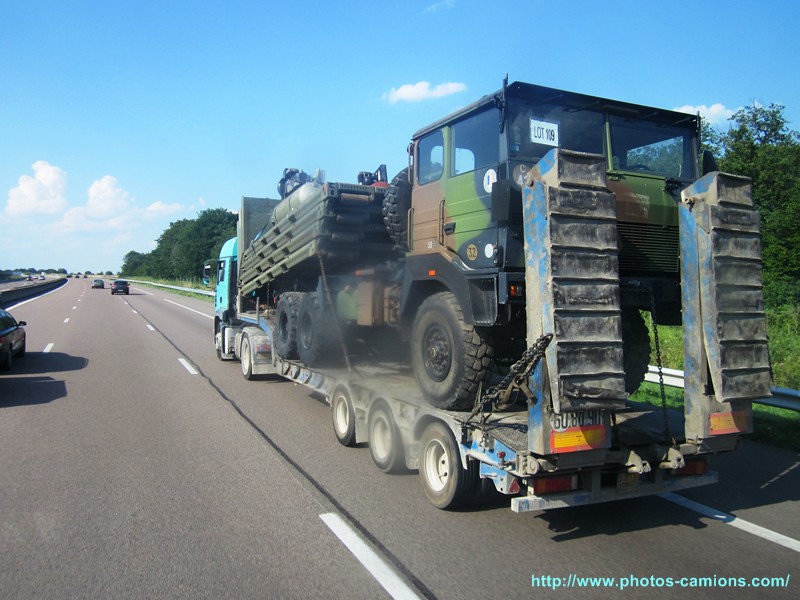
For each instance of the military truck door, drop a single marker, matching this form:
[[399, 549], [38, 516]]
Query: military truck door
[[471, 171], [428, 193]]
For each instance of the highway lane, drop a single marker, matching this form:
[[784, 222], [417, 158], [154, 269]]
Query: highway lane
[[138, 482], [427, 542], [490, 552]]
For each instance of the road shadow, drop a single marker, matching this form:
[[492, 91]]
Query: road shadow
[[27, 391], [35, 363]]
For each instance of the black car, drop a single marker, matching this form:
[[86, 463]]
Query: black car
[[12, 339], [120, 286]]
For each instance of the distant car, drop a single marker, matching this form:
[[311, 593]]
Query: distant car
[[84, 276], [12, 339], [120, 286], [98, 283]]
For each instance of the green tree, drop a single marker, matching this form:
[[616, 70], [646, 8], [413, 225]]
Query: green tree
[[760, 145], [183, 247]]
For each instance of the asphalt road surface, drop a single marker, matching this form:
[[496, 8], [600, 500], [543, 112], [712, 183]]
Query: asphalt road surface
[[134, 463]]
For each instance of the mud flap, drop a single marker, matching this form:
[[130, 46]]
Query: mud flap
[[726, 359]]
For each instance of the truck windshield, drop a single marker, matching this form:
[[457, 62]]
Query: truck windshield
[[642, 146], [652, 148]]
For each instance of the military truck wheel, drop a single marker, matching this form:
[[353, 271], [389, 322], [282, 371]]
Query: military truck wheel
[[314, 332], [286, 324], [385, 445], [635, 348], [396, 204], [447, 485], [450, 357]]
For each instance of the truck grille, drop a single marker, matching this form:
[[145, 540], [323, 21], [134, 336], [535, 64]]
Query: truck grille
[[648, 249]]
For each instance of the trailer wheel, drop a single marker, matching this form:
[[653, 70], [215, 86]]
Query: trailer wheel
[[396, 204], [246, 358], [314, 334], [385, 445], [450, 357], [447, 485], [344, 416], [286, 331]]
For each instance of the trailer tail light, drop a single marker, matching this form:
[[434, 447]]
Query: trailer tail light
[[737, 421], [555, 484], [432, 273], [693, 466], [516, 290]]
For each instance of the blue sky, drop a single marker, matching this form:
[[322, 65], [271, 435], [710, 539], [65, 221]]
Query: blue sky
[[119, 117]]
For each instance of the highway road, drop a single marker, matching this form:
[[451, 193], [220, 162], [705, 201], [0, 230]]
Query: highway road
[[136, 464]]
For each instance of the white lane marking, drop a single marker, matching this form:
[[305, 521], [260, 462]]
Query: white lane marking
[[150, 327], [187, 366], [191, 309], [74, 307], [383, 573], [48, 347], [66, 320], [762, 532], [136, 312], [143, 291]]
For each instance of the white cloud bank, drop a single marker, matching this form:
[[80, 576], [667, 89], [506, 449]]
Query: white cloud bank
[[416, 92], [42, 194], [716, 114]]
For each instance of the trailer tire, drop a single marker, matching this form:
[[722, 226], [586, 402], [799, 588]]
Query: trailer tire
[[286, 324], [343, 416], [315, 335], [396, 204], [450, 357], [246, 358], [447, 485], [635, 348], [385, 445]]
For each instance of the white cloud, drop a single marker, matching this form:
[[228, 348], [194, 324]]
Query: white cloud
[[415, 92], [106, 198], [716, 114], [441, 5], [159, 209], [42, 194]]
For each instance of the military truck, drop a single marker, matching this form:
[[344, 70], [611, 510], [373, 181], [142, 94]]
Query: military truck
[[508, 267]]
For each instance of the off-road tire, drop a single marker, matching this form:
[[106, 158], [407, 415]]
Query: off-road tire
[[450, 357], [286, 324], [396, 204], [315, 332], [635, 348]]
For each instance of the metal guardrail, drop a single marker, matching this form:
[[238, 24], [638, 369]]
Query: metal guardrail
[[781, 397], [174, 287]]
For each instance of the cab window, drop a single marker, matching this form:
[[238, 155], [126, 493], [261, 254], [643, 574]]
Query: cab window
[[430, 157], [476, 142]]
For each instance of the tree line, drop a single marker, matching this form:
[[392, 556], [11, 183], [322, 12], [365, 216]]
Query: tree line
[[759, 144], [183, 247]]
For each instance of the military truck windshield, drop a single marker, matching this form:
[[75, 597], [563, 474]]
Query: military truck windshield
[[637, 145], [652, 148]]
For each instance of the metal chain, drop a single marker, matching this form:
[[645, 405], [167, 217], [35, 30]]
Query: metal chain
[[662, 388], [514, 379]]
